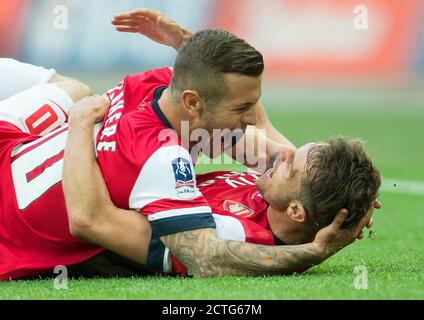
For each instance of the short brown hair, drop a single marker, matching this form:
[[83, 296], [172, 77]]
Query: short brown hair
[[339, 174], [207, 56]]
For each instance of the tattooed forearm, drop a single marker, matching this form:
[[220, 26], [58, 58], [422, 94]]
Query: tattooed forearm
[[190, 249], [205, 255], [250, 259]]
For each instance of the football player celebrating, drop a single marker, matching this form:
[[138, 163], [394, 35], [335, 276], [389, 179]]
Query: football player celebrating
[[288, 204], [215, 85], [303, 192], [37, 239], [128, 142], [164, 30]]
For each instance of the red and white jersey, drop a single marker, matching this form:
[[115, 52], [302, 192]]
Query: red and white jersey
[[141, 158], [38, 110], [144, 165], [234, 193], [239, 211], [34, 230]]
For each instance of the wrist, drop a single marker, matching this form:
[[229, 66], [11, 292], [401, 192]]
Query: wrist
[[321, 251], [80, 121], [184, 36]]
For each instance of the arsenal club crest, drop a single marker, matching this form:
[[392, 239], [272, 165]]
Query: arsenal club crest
[[237, 209]]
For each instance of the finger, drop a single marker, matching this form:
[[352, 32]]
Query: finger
[[361, 225], [137, 20], [98, 99], [370, 224], [126, 23], [127, 29], [100, 104], [149, 13], [137, 14], [377, 204], [340, 218], [123, 16], [132, 18], [106, 97], [105, 100], [128, 15], [370, 211], [134, 22], [360, 236], [119, 22]]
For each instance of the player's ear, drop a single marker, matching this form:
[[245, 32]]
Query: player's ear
[[192, 103], [296, 211]]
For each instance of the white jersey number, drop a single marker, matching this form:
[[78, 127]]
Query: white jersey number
[[36, 167]]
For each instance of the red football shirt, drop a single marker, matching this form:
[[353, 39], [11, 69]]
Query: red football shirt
[[239, 211], [34, 231], [143, 163]]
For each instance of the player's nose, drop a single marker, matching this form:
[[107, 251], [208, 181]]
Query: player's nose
[[251, 117], [287, 153]]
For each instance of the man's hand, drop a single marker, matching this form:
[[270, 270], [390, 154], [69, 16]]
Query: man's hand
[[89, 110], [376, 205], [333, 238], [153, 25]]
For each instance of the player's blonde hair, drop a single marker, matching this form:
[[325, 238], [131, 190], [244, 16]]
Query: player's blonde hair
[[339, 174]]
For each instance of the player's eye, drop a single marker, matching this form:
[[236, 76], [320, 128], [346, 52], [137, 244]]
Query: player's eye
[[244, 108]]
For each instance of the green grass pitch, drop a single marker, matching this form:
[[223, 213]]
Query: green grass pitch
[[394, 260]]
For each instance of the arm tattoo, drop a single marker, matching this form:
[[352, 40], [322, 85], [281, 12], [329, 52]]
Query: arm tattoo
[[206, 255]]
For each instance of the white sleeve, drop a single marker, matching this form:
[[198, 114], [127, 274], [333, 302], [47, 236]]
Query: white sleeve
[[16, 77], [166, 192], [38, 110]]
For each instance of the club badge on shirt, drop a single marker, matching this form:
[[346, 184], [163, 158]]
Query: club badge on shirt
[[237, 208], [183, 173]]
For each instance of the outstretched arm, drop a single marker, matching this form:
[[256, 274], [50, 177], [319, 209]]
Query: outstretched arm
[[205, 255]]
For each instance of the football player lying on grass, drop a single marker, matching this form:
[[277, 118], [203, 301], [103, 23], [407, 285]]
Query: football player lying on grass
[[298, 203], [31, 187], [295, 202], [36, 238], [158, 173], [33, 242]]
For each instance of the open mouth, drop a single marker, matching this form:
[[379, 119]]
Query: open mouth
[[271, 171]]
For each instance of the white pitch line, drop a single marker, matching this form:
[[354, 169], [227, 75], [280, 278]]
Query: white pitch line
[[402, 187]]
